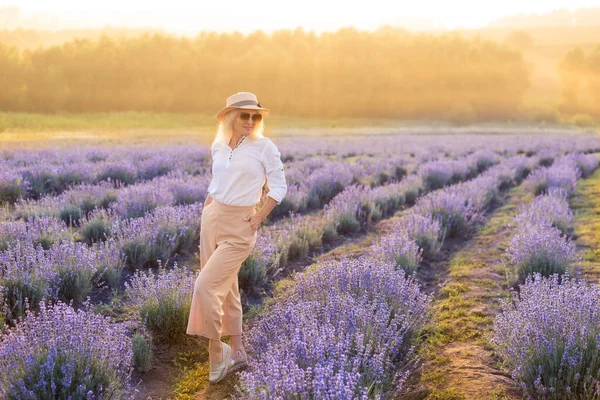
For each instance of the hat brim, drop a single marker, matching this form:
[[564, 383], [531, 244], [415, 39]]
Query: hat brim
[[264, 111]]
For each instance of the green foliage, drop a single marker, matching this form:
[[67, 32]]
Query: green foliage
[[17, 290], [142, 353], [303, 240], [348, 224], [137, 252], [252, 275], [75, 283], [166, 320], [117, 174], [96, 230], [329, 233], [71, 214], [46, 240], [580, 86], [107, 199]]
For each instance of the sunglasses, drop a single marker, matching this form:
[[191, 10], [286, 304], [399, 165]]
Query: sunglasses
[[246, 116]]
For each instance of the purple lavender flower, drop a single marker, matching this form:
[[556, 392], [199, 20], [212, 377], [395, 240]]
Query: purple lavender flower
[[549, 337], [550, 209], [541, 248], [398, 250], [345, 328], [562, 175], [159, 234], [63, 353], [424, 230], [163, 301], [39, 230]]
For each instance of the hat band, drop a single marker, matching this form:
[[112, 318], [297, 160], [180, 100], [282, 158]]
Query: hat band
[[244, 103]]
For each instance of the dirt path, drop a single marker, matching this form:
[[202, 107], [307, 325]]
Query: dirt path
[[468, 285]]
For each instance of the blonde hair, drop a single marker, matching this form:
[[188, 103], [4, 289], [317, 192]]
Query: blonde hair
[[225, 130]]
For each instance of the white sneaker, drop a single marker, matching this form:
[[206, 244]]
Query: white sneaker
[[218, 371], [239, 361]]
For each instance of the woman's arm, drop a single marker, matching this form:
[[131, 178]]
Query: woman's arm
[[271, 159], [262, 214]]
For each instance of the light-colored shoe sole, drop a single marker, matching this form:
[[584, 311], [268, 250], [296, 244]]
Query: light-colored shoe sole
[[237, 366], [225, 370], [221, 377]]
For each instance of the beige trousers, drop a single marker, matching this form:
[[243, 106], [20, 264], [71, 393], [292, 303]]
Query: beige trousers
[[226, 240]]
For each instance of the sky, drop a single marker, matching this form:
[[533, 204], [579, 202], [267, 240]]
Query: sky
[[189, 16]]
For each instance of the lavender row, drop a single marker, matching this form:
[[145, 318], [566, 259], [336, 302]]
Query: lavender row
[[326, 178], [65, 271], [79, 204], [445, 213], [541, 242], [548, 336], [60, 353], [344, 330], [354, 209], [45, 177], [33, 173], [338, 333], [427, 141], [548, 333], [39, 263]]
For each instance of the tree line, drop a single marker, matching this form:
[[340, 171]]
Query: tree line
[[580, 82], [388, 73]]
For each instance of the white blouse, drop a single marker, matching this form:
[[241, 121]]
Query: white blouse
[[239, 174]]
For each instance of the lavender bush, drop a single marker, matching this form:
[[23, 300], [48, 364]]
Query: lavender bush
[[346, 331], [39, 230], [26, 274], [454, 209], [550, 209], [541, 248], [12, 185], [562, 175], [399, 250], [66, 271], [424, 230], [587, 163], [549, 338], [159, 234], [64, 354], [163, 301], [142, 353]]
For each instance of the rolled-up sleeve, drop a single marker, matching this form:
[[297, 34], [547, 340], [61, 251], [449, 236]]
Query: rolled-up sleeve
[[213, 182], [271, 159]]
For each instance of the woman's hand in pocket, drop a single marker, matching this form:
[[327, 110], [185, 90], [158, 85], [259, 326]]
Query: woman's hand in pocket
[[255, 221]]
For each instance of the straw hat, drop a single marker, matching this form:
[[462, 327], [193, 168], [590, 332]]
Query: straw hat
[[245, 100]]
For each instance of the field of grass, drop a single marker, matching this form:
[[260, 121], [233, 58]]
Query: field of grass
[[114, 128]]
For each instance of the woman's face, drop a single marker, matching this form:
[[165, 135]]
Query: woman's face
[[245, 126]]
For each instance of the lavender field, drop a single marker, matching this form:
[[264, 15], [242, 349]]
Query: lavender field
[[388, 253]]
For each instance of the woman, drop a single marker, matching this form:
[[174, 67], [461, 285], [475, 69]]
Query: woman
[[242, 159]]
